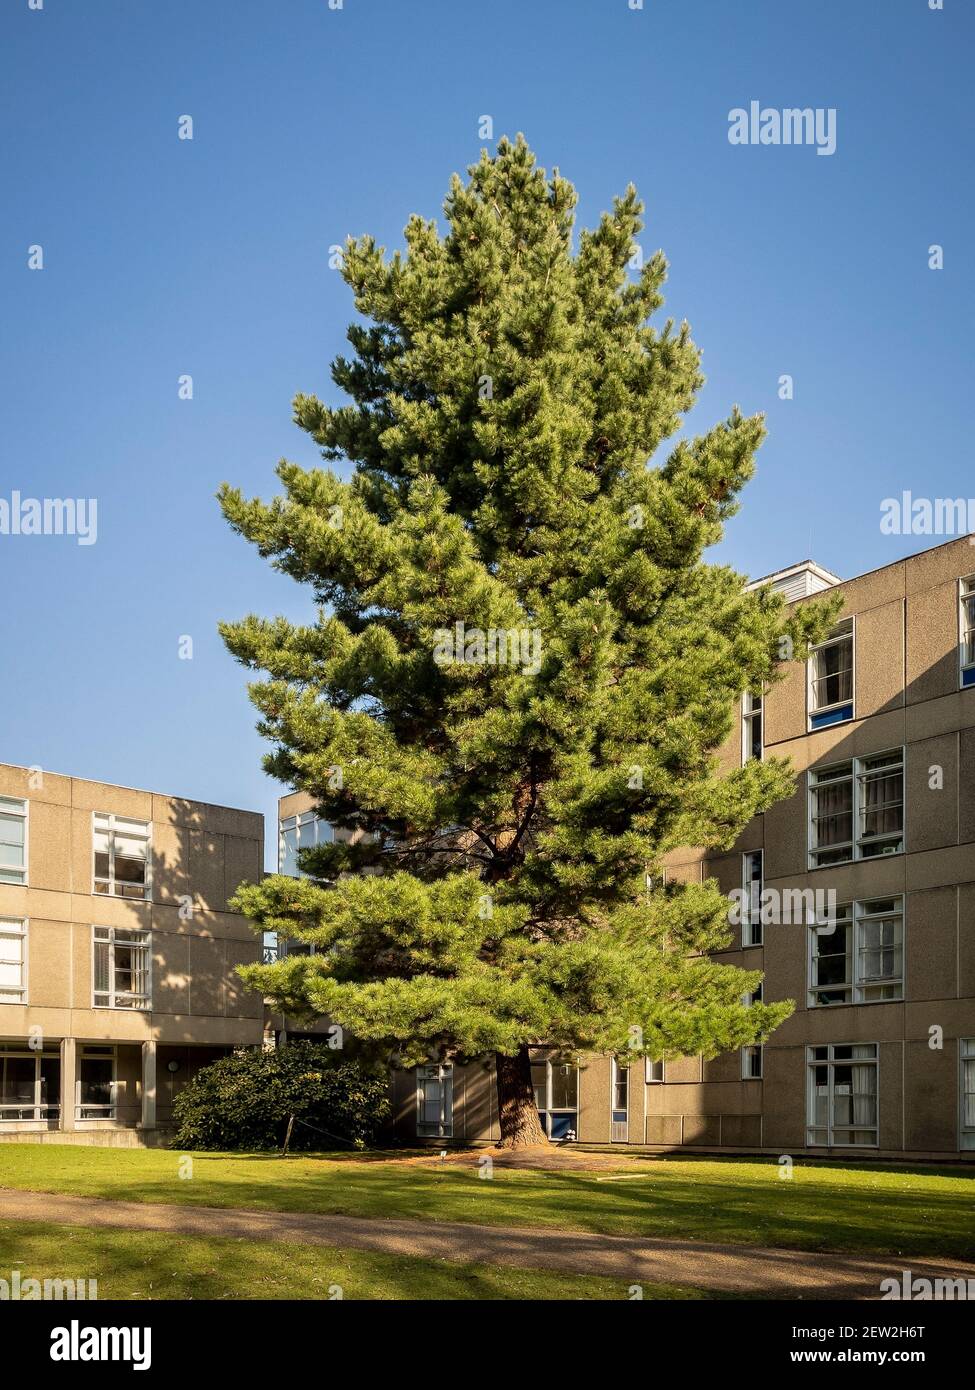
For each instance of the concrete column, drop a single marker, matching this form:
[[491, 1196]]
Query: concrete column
[[69, 1074], [149, 1085]]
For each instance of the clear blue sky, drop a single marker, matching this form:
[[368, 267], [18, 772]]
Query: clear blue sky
[[209, 257]]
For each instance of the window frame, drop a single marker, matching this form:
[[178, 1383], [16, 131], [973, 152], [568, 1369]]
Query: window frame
[[97, 1052], [548, 1110], [966, 633], [651, 1080], [966, 1053], [111, 991], [814, 781], [111, 881], [756, 1052], [752, 931], [7, 803], [7, 925], [831, 1061], [38, 1056], [814, 719], [619, 1076], [301, 818], [445, 1125], [856, 983], [750, 715]]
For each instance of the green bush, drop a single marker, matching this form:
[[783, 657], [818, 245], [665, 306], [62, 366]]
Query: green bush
[[244, 1101]]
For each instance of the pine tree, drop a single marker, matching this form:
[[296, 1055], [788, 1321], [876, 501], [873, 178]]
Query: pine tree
[[521, 667]]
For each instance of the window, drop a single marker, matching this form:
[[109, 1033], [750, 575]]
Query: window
[[300, 832], [121, 968], [842, 1097], [967, 1078], [751, 727], [97, 1084], [862, 960], [557, 1097], [122, 867], [13, 840], [857, 809], [13, 961], [831, 678], [655, 1071], [751, 882], [619, 1101], [30, 1084], [751, 1062], [435, 1100], [967, 629]]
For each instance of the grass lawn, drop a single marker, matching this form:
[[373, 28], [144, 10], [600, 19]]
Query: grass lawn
[[151, 1265], [824, 1206]]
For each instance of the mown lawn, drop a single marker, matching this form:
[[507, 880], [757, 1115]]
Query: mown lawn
[[823, 1206], [151, 1265]]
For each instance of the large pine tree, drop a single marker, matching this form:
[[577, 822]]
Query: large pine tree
[[521, 667]]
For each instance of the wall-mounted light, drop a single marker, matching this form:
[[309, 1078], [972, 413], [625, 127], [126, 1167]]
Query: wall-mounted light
[[173, 1065]]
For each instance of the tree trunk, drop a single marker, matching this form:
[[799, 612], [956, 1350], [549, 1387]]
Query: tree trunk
[[520, 1125]]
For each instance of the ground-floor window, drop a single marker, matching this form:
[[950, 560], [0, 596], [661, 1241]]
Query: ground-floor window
[[620, 1102], [30, 1084], [967, 1128], [435, 1100], [97, 1083], [842, 1095], [556, 1086]]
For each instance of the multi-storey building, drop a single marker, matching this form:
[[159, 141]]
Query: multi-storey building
[[859, 905], [117, 953]]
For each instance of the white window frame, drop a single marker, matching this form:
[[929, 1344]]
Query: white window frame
[[751, 914], [38, 1056], [832, 1062], [652, 1080], [296, 822], [966, 1062], [15, 928], [816, 777], [853, 916], [17, 806], [100, 1052], [144, 1001], [752, 1062], [966, 631], [111, 829], [843, 631], [619, 1130], [750, 714], [548, 1109], [443, 1074]]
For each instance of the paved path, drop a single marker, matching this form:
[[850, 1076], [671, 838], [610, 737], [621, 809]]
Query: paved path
[[734, 1269]]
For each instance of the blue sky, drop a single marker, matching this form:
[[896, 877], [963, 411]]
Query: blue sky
[[210, 257]]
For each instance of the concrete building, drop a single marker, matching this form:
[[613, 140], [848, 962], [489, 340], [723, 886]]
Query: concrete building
[[117, 953], [878, 1059]]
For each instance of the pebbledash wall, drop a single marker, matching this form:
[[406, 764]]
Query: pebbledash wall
[[878, 1059]]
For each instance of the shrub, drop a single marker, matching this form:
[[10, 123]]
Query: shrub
[[244, 1101]]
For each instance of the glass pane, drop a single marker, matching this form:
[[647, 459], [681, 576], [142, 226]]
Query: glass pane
[[565, 1086], [18, 1082]]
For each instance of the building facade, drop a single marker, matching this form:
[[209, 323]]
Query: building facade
[[856, 898], [118, 953]]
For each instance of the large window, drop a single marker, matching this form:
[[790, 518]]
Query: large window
[[435, 1100], [752, 737], [122, 968], [752, 1056], [30, 1084], [300, 832], [967, 629], [97, 1083], [620, 1102], [966, 1138], [556, 1086], [122, 867], [751, 882], [13, 840], [842, 1095], [13, 960], [856, 809], [862, 960], [831, 678]]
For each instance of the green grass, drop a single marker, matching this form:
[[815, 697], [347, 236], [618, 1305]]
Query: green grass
[[150, 1265], [824, 1206]]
